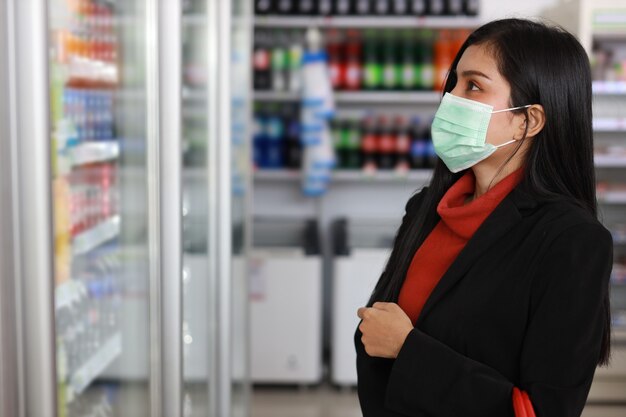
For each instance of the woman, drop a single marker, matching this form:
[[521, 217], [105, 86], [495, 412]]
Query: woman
[[499, 273]]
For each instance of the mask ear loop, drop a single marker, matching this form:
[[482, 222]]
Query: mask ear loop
[[526, 121]]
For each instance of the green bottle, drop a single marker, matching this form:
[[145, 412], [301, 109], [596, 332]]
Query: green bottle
[[372, 79], [391, 68]]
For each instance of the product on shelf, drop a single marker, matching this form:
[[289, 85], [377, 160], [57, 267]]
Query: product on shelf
[[367, 7], [277, 137]]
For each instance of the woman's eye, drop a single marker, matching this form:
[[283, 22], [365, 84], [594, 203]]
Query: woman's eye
[[471, 86]]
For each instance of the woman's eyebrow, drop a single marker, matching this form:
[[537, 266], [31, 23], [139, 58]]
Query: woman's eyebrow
[[468, 73]]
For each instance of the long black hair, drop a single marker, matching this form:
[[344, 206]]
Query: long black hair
[[544, 65]]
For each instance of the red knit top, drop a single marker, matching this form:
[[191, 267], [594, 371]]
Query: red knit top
[[458, 223]]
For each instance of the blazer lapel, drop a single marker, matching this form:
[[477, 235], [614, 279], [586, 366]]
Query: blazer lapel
[[506, 215]]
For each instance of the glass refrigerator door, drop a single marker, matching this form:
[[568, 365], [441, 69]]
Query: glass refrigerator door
[[215, 162], [101, 270]]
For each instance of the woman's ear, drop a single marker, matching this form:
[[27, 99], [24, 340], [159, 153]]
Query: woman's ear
[[536, 120]]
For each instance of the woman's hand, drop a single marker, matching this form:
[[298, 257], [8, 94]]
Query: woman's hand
[[385, 327]]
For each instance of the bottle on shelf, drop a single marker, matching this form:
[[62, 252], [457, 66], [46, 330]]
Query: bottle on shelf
[[293, 145], [403, 145], [409, 62], [418, 7], [336, 59], [471, 7], [263, 7], [279, 65], [436, 7], [391, 63], [325, 7], [426, 78], [372, 79], [382, 7], [363, 7], [354, 67], [296, 50], [343, 7], [400, 7], [285, 7], [386, 157], [369, 146], [262, 62]]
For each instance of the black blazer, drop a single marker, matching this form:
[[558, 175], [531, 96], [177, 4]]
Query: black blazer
[[521, 306]]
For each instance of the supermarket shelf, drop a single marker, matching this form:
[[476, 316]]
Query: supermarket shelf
[[429, 97], [407, 22], [609, 125], [90, 370], [609, 87], [612, 197], [68, 292], [348, 176], [609, 161], [92, 152], [92, 238]]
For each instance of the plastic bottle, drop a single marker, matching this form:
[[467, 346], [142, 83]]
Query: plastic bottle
[[369, 146], [386, 144], [392, 69], [403, 145], [262, 62], [372, 64], [354, 67], [296, 50], [279, 63]]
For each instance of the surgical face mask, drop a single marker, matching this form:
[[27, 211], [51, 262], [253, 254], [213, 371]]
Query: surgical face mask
[[459, 131]]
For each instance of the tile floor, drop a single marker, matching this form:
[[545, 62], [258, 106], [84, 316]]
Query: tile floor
[[325, 401]]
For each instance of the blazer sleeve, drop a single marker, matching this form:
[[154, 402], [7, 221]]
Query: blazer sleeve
[[559, 353]]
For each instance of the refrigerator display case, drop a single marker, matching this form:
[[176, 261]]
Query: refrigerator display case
[[97, 145]]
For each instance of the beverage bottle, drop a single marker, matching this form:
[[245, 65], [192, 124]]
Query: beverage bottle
[[410, 67], [454, 7], [372, 66], [427, 63], [369, 146], [403, 145], [285, 7], [386, 145], [392, 69], [261, 62], [436, 7], [336, 63], [306, 7], [401, 7], [293, 146], [418, 7], [353, 146], [363, 7], [444, 56], [344, 7], [296, 50], [336, 133], [263, 7], [418, 146], [382, 7], [471, 7], [275, 138], [258, 137], [279, 63], [430, 153], [354, 67], [325, 7]]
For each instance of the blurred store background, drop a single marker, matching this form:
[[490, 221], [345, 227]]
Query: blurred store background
[[197, 195]]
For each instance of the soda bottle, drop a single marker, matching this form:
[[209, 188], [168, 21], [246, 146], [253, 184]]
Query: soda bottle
[[279, 63], [471, 7], [410, 68], [336, 63], [386, 145], [354, 68], [373, 67], [262, 7], [353, 146], [369, 146], [401, 7], [363, 7], [306, 7], [436, 7], [444, 56], [325, 7], [403, 145], [344, 7], [285, 7], [418, 146], [293, 146], [296, 50], [382, 7], [336, 136], [418, 7], [427, 73], [275, 137], [391, 69], [261, 62], [454, 7]]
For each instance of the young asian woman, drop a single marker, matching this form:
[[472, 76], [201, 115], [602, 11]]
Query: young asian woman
[[524, 300]]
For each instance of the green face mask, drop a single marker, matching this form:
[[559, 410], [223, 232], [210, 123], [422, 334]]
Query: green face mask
[[459, 131]]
